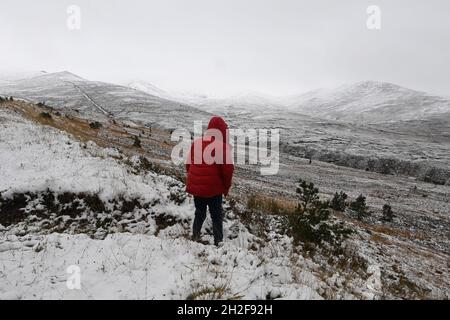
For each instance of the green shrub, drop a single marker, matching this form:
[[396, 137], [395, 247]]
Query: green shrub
[[388, 214], [95, 125], [311, 222], [137, 142], [338, 202], [307, 193], [359, 206]]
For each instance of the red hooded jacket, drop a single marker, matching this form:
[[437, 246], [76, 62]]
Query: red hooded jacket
[[209, 177]]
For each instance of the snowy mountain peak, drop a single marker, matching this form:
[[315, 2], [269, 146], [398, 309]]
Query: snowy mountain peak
[[376, 87], [375, 84], [61, 75]]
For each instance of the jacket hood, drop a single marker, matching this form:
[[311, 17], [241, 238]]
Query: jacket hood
[[219, 124]]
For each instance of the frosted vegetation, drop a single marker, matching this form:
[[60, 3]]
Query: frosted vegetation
[[65, 203], [109, 207]]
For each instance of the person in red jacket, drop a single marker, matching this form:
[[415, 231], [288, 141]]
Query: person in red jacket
[[210, 169]]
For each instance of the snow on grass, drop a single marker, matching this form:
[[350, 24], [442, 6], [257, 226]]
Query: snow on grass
[[140, 264], [39, 158], [125, 266]]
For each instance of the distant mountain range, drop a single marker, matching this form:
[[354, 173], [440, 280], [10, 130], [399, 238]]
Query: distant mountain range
[[364, 125], [363, 102], [367, 102], [245, 101]]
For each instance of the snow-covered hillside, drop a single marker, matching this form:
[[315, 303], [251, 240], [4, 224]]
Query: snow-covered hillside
[[364, 102], [127, 227], [238, 103], [140, 252], [93, 99], [369, 101], [150, 89]]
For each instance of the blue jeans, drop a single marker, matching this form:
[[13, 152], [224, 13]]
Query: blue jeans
[[215, 209]]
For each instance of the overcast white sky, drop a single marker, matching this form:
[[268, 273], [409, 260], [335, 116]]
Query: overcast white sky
[[222, 47]]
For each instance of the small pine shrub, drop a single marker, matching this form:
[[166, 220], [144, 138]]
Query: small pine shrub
[[359, 206], [388, 214], [95, 125], [311, 222], [137, 142], [338, 202], [308, 194]]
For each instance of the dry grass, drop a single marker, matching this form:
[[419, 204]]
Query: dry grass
[[112, 134], [269, 205], [220, 292], [382, 229], [380, 239], [395, 232]]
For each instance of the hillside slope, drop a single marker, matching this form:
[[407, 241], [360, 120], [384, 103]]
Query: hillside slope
[[126, 224], [66, 203], [100, 100], [370, 101]]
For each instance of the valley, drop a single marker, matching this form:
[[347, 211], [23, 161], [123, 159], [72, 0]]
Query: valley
[[421, 225], [402, 163]]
